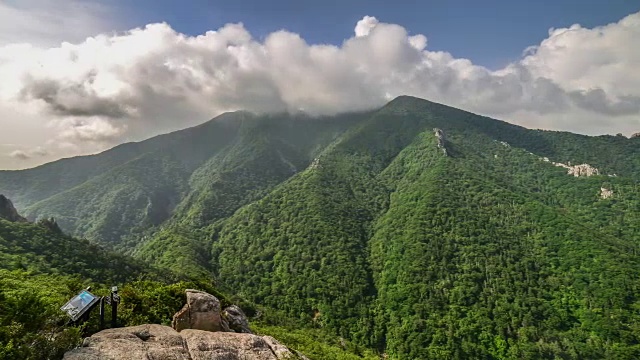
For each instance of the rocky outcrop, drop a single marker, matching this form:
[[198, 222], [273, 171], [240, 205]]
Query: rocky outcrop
[[163, 343], [8, 212], [281, 351], [579, 170], [636, 135], [136, 342], [605, 193], [440, 137], [583, 170], [200, 332], [201, 312], [315, 164], [236, 319], [51, 224]]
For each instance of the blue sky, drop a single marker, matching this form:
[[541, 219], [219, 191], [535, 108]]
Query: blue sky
[[491, 33]]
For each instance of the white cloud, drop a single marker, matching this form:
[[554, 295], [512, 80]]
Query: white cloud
[[38, 151], [19, 154], [111, 88], [50, 22], [364, 26]]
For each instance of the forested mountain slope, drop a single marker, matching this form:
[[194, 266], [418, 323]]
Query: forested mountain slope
[[418, 229]]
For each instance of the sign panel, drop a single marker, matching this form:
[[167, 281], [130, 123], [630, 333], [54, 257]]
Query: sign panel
[[80, 304]]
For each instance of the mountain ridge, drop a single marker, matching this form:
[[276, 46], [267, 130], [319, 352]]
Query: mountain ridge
[[418, 229]]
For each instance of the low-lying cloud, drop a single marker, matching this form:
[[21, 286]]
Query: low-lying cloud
[[28, 154], [153, 79]]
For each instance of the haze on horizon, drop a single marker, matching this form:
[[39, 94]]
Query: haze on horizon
[[77, 80]]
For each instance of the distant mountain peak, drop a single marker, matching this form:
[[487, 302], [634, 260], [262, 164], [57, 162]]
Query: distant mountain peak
[[8, 211], [405, 104], [404, 100]]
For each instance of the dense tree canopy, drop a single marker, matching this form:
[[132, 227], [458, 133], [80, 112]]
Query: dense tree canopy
[[364, 226]]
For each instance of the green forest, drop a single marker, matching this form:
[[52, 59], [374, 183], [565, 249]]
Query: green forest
[[363, 235]]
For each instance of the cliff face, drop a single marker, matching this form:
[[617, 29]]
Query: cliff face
[[8, 212], [441, 140]]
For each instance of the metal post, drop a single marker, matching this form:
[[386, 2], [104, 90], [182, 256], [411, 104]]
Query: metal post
[[101, 312], [115, 299]]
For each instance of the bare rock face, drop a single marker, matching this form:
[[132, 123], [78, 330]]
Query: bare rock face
[[236, 319], [159, 342], [605, 193], [281, 351], [137, 342], [441, 140], [200, 332], [579, 170], [204, 345], [583, 170], [315, 164], [201, 312], [636, 135], [8, 212]]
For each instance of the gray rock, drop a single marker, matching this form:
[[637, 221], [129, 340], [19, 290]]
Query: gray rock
[[201, 312], [236, 319], [137, 342], [205, 345], [157, 342], [281, 351]]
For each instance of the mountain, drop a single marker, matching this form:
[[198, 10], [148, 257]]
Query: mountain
[[44, 248], [115, 196], [41, 268], [418, 229]]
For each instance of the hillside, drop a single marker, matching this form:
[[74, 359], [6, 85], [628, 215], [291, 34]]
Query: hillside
[[418, 229], [41, 268]]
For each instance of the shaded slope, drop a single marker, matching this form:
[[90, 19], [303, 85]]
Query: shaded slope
[[128, 199], [42, 249], [267, 151], [27, 187]]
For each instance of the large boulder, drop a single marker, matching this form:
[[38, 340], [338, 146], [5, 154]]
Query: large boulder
[[236, 319], [159, 342], [201, 312]]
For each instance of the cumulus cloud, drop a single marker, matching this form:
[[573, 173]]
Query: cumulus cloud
[[109, 88]]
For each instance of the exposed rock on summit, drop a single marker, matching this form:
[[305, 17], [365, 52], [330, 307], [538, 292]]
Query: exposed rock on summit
[[8, 212], [200, 332], [160, 342]]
